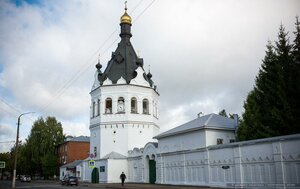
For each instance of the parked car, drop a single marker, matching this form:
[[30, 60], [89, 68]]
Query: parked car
[[69, 180], [25, 178]]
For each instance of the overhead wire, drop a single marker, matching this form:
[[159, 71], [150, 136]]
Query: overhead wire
[[88, 64], [13, 108], [82, 69], [7, 141]]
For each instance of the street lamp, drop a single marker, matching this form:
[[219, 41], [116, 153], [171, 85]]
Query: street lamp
[[16, 150]]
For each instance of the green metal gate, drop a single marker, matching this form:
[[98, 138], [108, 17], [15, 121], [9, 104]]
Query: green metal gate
[[152, 171]]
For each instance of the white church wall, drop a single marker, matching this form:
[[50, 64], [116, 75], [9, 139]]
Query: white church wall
[[116, 167], [118, 131], [217, 159], [95, 140], [114, 138], [213, 134], [269, 162], [86, 171], [102, 173], [135, 169], [135, 165], [143, 133], [190, 140]]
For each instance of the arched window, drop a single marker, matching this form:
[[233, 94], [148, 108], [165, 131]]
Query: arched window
[[121, 105], [93, 112], [133, 105], [98, 107], [108, 106], [145, 106]]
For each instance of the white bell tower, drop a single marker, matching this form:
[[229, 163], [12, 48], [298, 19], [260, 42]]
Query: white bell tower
[[124, 101]]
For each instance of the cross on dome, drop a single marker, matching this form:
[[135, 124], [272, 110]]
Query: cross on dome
[[125, 18]]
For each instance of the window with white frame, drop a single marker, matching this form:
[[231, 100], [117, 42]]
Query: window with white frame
[[94, 109], [133, 105], [108, 106], [98, 107], [145, 106]]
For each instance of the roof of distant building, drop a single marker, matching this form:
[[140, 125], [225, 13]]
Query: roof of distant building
[[212, 121], [72, 164], [78, 139], [114, 155]]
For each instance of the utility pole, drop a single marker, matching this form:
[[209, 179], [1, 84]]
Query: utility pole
[[16, 150]]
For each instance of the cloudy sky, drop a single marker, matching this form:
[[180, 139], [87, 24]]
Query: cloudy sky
[[204, 55]]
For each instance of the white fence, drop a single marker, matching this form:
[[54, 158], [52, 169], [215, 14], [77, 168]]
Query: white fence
[[272, 162]]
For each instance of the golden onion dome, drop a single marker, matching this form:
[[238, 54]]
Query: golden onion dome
[[125, 19]]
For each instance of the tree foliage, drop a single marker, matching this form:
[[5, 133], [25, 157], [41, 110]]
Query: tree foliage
[[223, 113], [6, 157], [272, 107], [37, 154]]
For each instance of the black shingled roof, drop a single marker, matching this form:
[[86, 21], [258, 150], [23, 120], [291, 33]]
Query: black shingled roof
[[124, 60]]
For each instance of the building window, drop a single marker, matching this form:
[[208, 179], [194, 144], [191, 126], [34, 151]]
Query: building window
[[231, 141], [102, 168], [95, 151], [98, 107], [145, 106], [108, 106], [133, 105], [94, 113], [121, 105], [219, 141]]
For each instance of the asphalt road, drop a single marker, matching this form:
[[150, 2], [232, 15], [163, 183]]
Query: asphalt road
[[44, 184]]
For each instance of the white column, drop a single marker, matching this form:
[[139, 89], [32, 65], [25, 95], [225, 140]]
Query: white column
[[114, 106], [140, 106], [279, 171], [207, 167], [184, 168], [127, 105], [239, 175]]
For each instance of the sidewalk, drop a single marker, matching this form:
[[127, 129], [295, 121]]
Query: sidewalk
[[146, 186]]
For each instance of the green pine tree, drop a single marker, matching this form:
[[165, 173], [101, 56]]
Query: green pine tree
[[294, 90], [271, 107]]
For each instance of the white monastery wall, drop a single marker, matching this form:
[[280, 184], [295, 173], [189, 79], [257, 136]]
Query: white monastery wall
[[85, 171], [102, 174], [116, 166], [271, 162]]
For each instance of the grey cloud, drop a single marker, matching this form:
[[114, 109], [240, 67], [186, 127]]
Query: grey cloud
[[204, 55]]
